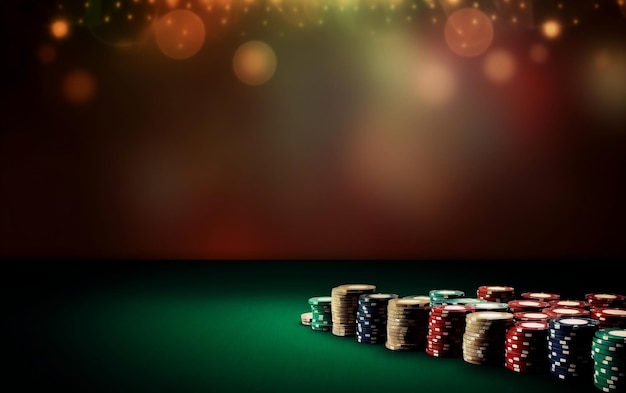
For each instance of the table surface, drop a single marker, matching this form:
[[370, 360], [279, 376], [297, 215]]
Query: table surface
[[227, 326]]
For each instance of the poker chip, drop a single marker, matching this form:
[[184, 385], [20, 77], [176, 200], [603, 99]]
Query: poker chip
[[495, 293], [446, 324], [569, 346], [484, 336], [527, 305], [407, 320], [608, 351], [569, 303], [440, 296], [563, 311], [344, 305], [491, 306], [305, 318], [610, 317], [542, 296], [530, 316], [371, 317]]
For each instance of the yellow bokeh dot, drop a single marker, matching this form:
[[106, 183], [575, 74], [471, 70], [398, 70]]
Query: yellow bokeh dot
[[499, 66], [254, 63], [551, 29], [59, 28]]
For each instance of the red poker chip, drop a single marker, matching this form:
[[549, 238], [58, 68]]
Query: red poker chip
[[530, 316], [557, 311], [542, 296], [529, 326], [569, 303], [527, 305]]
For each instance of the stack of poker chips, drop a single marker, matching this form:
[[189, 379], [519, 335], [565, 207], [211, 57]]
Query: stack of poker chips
[[569, 346], [407, 320], [321, 316], [493, 293], [443, 296], [610, 317], [484, 337], [344, 305], [605, 300], [543, 296], [608, 351], [446, 325], [525, 347], [371, 317]]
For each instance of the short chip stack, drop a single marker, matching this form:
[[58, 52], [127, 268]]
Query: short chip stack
[[493, 293], [569, 346], [605, 300], [525, 348], [407, 320], [484, 337], [608, 351], [610, 317], [371, 317], [321, 315], [344, 305]]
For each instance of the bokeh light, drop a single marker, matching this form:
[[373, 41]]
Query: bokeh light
[[499, 66], [551, 29], [59, 28], [254, 63], [435, 83], [79, 86], [468, 32], [180, 34]]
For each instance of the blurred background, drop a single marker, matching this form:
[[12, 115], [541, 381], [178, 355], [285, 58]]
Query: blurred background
[[313, 129]]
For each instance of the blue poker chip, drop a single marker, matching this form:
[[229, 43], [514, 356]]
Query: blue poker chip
[[573, 323]]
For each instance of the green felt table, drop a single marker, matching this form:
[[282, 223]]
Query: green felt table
[[234, 326]]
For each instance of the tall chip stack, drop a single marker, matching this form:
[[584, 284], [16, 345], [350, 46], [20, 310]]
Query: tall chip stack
[[446, 325], [407, 320], [525, 347], [608, 351], [569, 346], [485, 336], [371, 318], [344, 306]]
